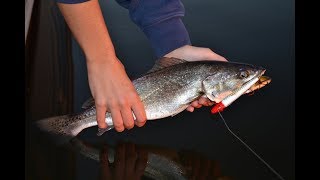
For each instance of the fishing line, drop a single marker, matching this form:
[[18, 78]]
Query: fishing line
[[275, 172]]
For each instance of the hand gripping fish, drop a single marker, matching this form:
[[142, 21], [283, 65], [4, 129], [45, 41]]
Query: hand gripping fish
[[168, 89]]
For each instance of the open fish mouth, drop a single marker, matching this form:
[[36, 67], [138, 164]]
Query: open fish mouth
[[263, 81], [256, 82]]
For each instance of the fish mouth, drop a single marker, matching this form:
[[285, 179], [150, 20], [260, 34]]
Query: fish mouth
[[259, 79], [262, 71], [262, 81]]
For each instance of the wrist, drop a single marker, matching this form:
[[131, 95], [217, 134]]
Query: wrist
[[106, 56], [103, 61], [181, 52]]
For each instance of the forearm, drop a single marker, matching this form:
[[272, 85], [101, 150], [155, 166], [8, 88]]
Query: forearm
[[86, 23]]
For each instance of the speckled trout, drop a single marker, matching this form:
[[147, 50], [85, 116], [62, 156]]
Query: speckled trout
[[166, 90]]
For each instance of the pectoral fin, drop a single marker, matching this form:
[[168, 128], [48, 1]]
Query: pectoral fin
[[103, 130]]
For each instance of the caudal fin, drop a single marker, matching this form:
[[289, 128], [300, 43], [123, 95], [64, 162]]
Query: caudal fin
[[58, 128]]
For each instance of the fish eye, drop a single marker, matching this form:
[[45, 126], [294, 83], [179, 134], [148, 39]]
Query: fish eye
[[244, 74]]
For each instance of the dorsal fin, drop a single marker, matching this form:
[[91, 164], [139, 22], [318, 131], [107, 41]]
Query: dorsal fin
[[165, 62], [88, 103]]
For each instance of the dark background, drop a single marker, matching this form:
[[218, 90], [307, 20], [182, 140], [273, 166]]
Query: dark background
[[256, 32]]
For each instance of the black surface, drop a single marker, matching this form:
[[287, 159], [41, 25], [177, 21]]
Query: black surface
[[256, 32]]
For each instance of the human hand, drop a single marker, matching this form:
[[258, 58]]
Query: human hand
[[130, 162], [192, 53], [113, 92]]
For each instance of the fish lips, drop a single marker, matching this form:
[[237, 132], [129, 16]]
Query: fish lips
[[260, 72]]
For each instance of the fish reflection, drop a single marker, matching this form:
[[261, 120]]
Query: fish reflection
[[132, 161]]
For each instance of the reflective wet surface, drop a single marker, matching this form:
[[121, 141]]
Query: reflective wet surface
[[188, 146]]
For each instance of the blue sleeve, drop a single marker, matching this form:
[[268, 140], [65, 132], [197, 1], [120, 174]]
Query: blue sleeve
[[160, 20]]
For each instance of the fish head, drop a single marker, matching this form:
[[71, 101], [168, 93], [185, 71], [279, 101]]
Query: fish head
[[227, 78]]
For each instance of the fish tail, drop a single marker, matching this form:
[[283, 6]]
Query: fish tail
[[58, 128]]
